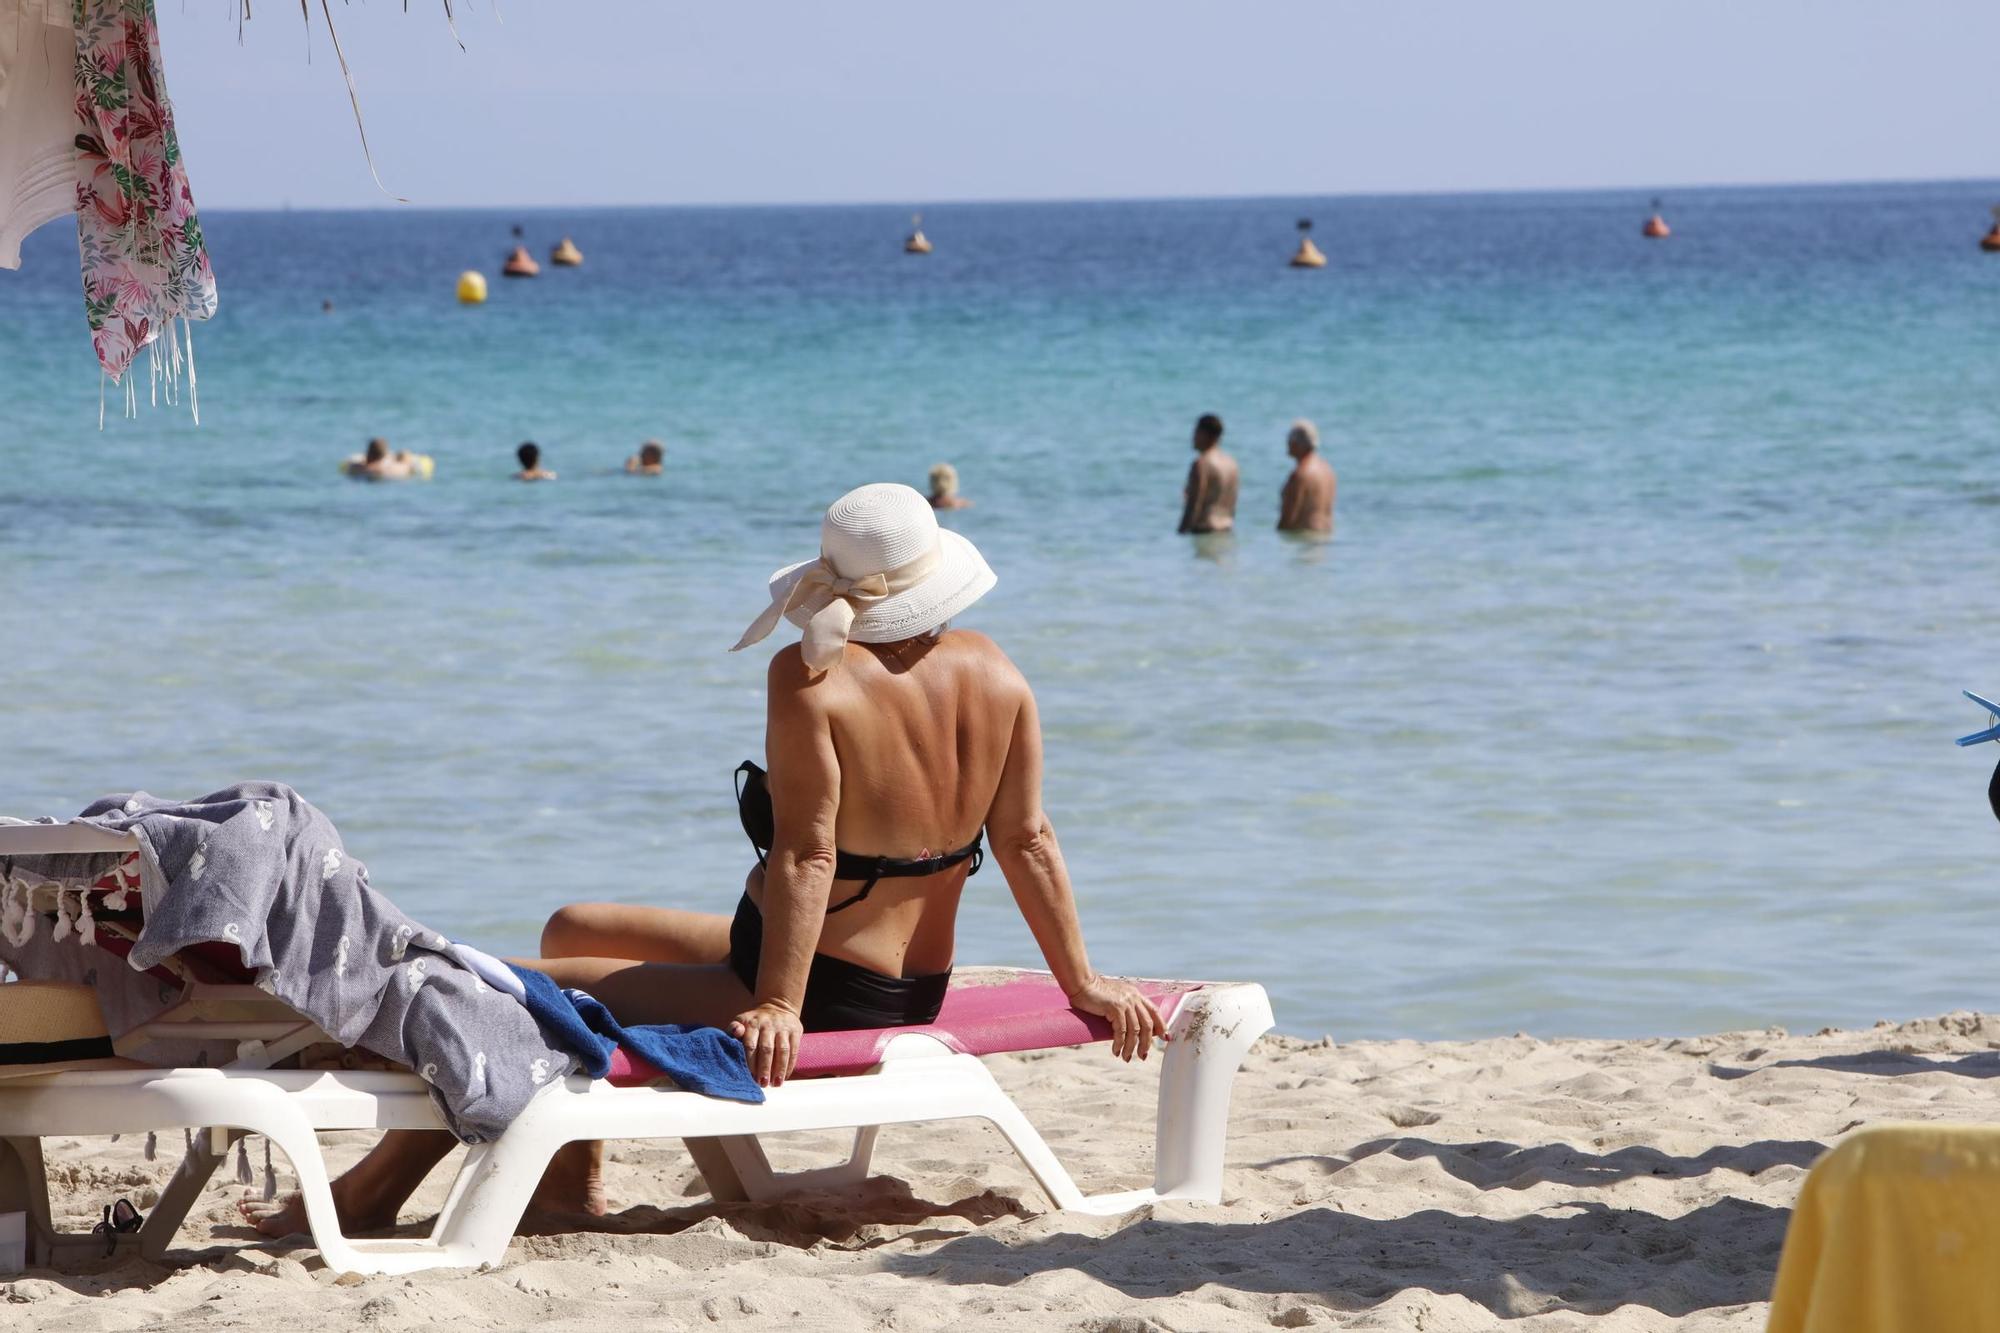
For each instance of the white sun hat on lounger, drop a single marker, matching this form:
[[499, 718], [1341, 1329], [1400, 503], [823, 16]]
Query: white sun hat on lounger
[[886, 571]]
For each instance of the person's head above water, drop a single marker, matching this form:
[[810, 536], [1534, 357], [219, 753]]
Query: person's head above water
[[886, 572], [1208, 431], [944, 480], [378, 449], [1302, 438], [650, 461], [530, 455]]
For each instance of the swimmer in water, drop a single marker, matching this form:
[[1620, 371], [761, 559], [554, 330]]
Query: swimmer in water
[[650, 461], [530, 455], [378, 464], [944, 488]]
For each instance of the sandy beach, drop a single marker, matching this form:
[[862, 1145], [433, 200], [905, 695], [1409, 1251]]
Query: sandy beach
[[1473, 529], [1611, 1185]]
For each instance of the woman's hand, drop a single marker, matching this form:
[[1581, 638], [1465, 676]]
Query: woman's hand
[[1135, 1020], [770, 1035]]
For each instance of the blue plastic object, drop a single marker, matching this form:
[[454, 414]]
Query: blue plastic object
[[1992, 733]]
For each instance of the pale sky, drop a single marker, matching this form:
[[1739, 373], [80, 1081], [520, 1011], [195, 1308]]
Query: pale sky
[[766, 101]]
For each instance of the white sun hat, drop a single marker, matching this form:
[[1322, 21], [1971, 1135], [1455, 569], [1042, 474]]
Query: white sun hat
[[886, 572]]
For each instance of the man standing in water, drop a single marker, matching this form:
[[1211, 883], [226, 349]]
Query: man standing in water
[[1211, 483], [1306, 504]]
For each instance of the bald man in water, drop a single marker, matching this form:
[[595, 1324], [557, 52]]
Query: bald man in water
[[1211, 483], [1306, 505]]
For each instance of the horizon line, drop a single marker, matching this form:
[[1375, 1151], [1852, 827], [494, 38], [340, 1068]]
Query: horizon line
[[390, 204]]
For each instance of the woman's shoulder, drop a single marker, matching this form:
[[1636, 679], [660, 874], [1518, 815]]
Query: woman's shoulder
[[972, 645], [969, 640], [966, 653], [974, 652]]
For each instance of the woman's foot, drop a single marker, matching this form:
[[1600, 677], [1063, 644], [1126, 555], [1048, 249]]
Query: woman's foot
[[286, 1214], [369, 1196], [574, 1182]]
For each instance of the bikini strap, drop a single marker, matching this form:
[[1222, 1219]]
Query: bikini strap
[[753, 808], [877, 868], [846, 903]]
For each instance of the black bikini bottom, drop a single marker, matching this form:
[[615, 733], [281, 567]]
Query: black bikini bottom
[[839, 995]]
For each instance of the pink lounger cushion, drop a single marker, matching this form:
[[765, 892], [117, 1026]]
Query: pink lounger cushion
[[988, 1011]]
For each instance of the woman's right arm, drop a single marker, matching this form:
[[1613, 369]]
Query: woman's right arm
[[798, 876], [1025, 843]]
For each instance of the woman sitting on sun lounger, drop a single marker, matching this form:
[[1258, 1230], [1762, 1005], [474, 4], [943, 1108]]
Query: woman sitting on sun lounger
[[895, 745]]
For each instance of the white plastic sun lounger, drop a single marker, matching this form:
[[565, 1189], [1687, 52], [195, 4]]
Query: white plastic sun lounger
[[845, 1080]]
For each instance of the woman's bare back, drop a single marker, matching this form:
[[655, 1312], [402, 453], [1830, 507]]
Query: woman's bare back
[[920, 733]]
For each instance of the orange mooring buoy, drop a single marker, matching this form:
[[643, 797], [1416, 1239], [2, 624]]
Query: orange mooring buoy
[[1656, 228], [1990, 242], [520, 264], [917, 243], [1307, 255]]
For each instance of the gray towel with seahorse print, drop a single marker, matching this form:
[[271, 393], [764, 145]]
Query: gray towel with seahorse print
[[258, 867]]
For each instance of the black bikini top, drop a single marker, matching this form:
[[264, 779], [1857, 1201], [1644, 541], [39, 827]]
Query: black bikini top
[[753, 806]]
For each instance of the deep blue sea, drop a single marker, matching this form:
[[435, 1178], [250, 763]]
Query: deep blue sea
[[1622, 701]]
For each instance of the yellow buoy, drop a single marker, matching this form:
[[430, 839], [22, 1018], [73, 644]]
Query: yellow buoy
[[471, 288], [566, 254], [917, 243]]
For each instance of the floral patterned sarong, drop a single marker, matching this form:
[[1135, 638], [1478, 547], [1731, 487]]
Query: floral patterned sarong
[[144, 261]]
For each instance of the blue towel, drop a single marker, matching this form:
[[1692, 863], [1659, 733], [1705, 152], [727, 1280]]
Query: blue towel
[[704, 1060]]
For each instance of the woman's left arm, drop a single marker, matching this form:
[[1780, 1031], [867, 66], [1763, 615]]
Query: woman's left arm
[[805, 799]]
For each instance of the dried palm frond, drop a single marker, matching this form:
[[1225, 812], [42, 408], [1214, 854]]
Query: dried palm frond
[[346, 73]]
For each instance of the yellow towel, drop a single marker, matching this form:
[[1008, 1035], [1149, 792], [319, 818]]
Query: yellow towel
[[1896, 1231]]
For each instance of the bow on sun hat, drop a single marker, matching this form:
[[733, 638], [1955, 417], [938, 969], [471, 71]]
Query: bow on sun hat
[[886, 571]]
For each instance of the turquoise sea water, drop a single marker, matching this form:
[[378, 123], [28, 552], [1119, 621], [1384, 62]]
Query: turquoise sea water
[[1622, 701]]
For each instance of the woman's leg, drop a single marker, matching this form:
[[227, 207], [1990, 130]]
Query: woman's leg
[[697, 994], [701, 991], [647, 964], [370, 1194], [701, 995], [637, 934]]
